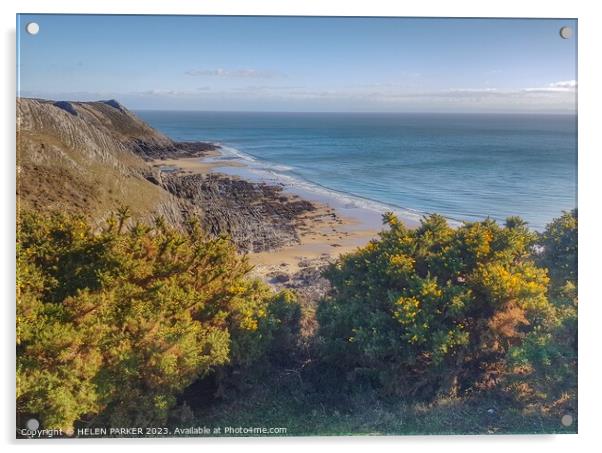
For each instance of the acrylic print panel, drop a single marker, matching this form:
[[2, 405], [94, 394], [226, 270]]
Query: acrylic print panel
[[294, 226]]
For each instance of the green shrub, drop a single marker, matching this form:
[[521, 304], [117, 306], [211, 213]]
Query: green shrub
[[433, 309], [114, 324], [545, 363], [559, 253]]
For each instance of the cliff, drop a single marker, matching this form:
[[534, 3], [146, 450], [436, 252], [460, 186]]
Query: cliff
[[84, 157], [92, 157]]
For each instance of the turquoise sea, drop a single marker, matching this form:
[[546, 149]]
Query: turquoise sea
[[463, 166]]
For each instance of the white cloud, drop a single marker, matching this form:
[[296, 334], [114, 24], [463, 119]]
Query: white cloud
[[564, 84], [159, 92], [165, 92], [556, 87], [234, 73]]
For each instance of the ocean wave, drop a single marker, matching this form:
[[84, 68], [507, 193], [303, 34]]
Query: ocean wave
[[228, 151], [285, 175]]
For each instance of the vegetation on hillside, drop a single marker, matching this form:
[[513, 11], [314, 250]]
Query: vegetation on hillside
[[424, 330]]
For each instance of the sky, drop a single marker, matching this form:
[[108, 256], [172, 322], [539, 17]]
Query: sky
[[218, 63]]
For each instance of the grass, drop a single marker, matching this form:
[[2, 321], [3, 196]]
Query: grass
[[284, 401], [53, 176]]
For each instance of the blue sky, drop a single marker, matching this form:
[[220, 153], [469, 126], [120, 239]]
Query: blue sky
[[301, 64]]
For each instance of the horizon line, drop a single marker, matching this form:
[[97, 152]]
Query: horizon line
[[472, 112], [572, 112]]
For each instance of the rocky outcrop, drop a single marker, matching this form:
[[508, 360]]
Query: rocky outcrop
[[152, 151], [258, 217]]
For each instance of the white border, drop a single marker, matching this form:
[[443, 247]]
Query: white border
[[590, 148]]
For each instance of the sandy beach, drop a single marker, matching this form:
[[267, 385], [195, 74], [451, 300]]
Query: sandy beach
[[324, 233]]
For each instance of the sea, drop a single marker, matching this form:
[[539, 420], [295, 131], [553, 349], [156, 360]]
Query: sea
[[466, 167]]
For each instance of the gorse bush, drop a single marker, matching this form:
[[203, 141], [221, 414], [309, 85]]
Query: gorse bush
[[433, 309], [545, 363], [114, 324], [559, 255]]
